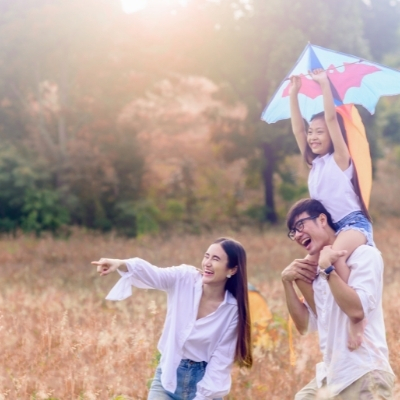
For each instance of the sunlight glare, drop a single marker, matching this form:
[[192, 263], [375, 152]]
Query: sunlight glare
[[131, 6]]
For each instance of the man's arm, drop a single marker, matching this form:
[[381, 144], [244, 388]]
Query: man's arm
[[307, 291], [302, 271], [345, 296], [298, 311]]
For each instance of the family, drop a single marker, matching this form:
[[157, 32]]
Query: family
[[208, 328]]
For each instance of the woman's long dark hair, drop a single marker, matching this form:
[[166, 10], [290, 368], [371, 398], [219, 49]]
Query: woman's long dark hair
[[309, 156], [237, 285]]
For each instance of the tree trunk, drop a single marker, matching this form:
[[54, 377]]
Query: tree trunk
[[268, 175]]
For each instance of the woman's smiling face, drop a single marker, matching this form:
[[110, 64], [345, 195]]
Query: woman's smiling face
[[215, 265]]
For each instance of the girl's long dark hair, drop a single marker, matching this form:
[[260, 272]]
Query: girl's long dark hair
[[237, 285], [309, 156]]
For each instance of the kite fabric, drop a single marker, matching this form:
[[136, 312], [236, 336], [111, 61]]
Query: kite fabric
[[357, 143], [261, 317], [353, 81]]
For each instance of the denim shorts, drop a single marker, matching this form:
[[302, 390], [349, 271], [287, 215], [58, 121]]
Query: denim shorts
[[189, 373], [358, 222]]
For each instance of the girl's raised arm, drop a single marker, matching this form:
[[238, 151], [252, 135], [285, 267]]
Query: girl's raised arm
[[296, 119], [341, 152]]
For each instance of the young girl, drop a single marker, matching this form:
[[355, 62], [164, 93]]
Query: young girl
[[332, 179], [207, 327]]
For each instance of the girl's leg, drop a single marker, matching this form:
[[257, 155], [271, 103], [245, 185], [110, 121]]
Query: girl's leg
[[349, 240]]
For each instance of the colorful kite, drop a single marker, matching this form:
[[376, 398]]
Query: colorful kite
[[353, 81]]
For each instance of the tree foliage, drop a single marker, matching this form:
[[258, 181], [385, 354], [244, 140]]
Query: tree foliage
[[140, 121]]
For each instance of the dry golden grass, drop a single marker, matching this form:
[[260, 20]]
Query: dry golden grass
[[61, 340]]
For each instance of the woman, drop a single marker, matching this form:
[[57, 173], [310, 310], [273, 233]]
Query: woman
[[207, 327]]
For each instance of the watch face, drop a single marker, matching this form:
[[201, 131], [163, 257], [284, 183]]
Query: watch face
[[323, 274]]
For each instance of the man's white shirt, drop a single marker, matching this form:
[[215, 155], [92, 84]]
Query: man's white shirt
[[340, 366]]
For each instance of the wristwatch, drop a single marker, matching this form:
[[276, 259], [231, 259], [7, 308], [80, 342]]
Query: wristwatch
[[326, 272]]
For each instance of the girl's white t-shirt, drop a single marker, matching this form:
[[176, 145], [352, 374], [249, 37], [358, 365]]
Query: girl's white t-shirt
[[331, 186]]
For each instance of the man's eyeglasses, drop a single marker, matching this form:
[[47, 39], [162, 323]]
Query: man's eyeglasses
[[299, 226]]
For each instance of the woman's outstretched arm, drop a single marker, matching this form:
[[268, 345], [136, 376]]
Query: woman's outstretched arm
[[141, 274], [298, 126], [341, 151], [107, 265]]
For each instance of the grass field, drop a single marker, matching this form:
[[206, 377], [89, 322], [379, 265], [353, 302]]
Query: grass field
[[61, 340]]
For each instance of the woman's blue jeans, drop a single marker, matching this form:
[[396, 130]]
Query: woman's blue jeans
[[189, 373]]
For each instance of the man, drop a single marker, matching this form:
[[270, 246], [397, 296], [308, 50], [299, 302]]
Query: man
[[330, 303]]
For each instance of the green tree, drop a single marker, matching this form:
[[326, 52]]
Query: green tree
[[382, 31], [381, 26], [66, 71], [252, 50], [27, 200], [42, 211]]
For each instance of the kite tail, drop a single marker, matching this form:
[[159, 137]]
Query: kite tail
[[359, 150]]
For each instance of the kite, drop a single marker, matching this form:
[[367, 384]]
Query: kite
[[353, 81]]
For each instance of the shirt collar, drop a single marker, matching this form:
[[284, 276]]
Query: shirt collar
[[229, 298], [321, 159]]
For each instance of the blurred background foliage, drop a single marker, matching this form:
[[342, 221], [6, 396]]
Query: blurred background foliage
[[150, 121]]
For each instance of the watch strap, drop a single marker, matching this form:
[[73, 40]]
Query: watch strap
[[329, 269]]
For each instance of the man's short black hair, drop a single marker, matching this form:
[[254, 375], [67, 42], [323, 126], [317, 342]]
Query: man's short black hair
[[312, 207]]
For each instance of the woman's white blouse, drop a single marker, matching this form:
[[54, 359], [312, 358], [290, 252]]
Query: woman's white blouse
[[211, 339]]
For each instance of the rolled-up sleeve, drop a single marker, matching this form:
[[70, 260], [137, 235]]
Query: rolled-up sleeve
[[144, 275], [216, 381], [366, 279]]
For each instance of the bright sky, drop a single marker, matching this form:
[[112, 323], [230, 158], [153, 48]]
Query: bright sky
[[131, 6]]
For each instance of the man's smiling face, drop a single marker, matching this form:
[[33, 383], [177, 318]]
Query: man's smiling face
[[310, 232]]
